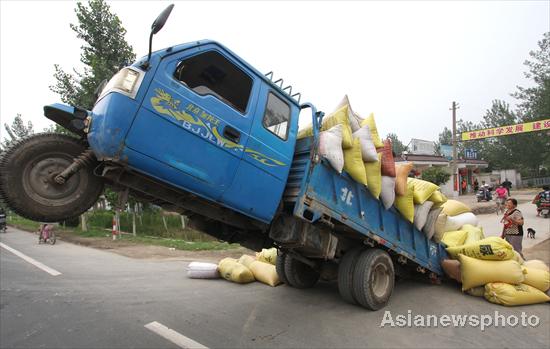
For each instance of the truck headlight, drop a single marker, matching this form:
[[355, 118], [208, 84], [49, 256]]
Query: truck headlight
[[126, 81]]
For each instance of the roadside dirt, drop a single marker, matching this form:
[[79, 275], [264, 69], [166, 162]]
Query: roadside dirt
[[539, 251], [490, 207], [140, 251]]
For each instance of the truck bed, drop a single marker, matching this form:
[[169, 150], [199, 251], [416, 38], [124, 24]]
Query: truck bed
[[320, 193]]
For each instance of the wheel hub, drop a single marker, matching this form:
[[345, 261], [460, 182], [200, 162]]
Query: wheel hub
[[381, 280]]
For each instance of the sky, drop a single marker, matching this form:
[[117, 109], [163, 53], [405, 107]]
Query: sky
[[404, 61]]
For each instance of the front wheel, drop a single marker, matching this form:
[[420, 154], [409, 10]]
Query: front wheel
[[52, 238], [27, 172]]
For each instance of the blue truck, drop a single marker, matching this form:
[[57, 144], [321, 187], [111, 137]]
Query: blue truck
[[195, 129]]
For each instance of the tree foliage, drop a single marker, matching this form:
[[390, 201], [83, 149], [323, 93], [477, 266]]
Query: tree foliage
[[397, 146], [105, 51], [16, 131], [436, 175]]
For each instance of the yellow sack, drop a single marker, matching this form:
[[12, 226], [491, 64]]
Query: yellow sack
[[338, 117], [491, 248], [374, 176], [369, 120], [265, 273], [246, 260], [405, 204], [454, 238], [422, 190], [476, 291], [353, 163], [437, 197], [536, 264], [539, 279], [267, 255], [517, 257], [474, 233], [454, 208], [230, 269], [505, 294], [477, 272], [401, 175]]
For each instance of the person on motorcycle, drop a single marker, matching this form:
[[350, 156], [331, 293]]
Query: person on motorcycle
[[543, 196]]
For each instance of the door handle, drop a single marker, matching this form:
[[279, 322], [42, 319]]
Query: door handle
[[231, 134]]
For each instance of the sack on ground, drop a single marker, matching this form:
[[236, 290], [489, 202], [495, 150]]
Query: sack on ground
[[353, 163], [476, 291], [455, 222], [505, 294], [246, 260], [388, 163], [374, 176], [539, 279], [387, 195], [405, 205], [268, 255], [429, 227], [451, 268], [454, 238], [477, 272], [230, 269], [437, 197], [474, 233], [338, 117], [265, 273], [422, 190], [369, 121], [536, 264], [330, 147], [368, 150], [454, 208], [440, 223], [201, 270], [421, 214], [491, 248], [401, 174]]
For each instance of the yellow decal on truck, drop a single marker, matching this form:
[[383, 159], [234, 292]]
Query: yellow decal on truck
[[203, 124]]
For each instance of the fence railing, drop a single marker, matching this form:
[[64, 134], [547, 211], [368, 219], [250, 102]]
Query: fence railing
[[535, 182]]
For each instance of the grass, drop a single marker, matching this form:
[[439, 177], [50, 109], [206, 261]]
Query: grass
[[95, 232]]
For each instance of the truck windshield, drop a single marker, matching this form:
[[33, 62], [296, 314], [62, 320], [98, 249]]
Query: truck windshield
[[213, 74]]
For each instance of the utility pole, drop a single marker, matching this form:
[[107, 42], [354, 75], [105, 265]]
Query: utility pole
[[456, 183]]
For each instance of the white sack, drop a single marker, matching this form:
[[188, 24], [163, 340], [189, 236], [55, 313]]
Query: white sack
[[368, 150], [421, 214], [201, 270], [330, 147], [387, 195]]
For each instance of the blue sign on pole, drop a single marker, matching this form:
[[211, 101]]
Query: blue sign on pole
[[446, 151], [470, 153]]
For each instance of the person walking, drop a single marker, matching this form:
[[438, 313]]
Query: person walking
[[508, 185], [464, 186], [513, 225]]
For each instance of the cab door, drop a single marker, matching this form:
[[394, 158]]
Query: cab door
[[261, 177], [195, 120]]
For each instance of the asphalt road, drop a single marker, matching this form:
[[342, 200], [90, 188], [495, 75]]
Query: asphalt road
[[104, 300]]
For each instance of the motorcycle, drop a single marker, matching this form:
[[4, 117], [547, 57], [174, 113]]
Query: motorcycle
[[3, 226], [484, 194], [544, 209]]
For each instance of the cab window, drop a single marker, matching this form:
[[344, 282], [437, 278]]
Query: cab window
[[277, 116], [210, 73]]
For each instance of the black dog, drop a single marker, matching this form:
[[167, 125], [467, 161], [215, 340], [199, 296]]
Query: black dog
[[531, 233]]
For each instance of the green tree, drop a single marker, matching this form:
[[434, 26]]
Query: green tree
[[397, 146], [16, 131], [105, 51], [436, 175]]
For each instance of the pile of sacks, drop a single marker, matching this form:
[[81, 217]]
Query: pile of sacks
[[352, 144], [490, 268], [243, 270]]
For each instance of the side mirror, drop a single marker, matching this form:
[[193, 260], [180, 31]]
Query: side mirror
[[161, 19]]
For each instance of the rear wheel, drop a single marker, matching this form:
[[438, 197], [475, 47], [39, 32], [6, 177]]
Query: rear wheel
[[299, 274], [52, 238], [280, 267], [373, 279], [345, 275], [27, 172]]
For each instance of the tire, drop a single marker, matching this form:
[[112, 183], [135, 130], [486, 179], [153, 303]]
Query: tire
[[298, 274], [280, 267], [373, 279], [27, 170], [345, 274]]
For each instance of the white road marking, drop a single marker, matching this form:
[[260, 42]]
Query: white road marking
[[31, 260], [173, 336]]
